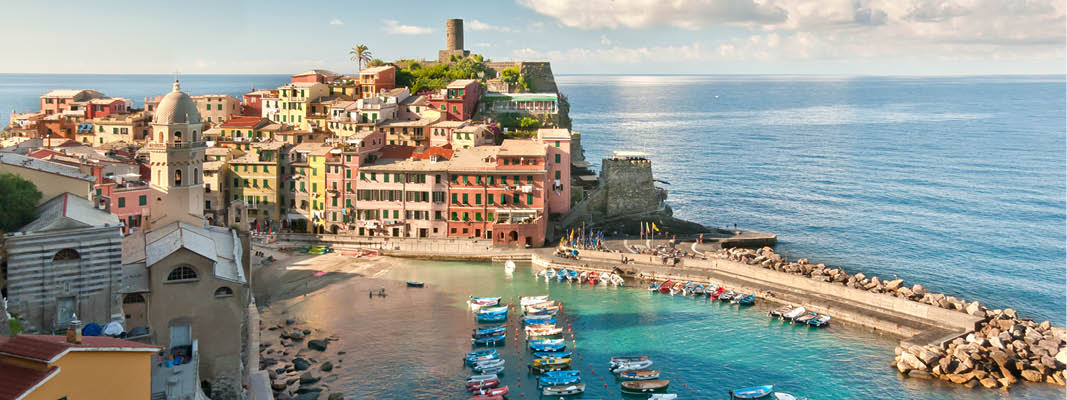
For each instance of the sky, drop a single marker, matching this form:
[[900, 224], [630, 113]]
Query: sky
[[835, 37]]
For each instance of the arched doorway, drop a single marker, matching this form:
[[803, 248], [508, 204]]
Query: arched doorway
[[334, 229], [134, 307], [513, 236]]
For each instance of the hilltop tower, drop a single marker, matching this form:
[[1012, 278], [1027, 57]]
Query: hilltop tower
[[175, 155], [453, 42]]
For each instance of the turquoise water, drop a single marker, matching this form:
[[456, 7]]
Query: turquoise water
[[409, 344]]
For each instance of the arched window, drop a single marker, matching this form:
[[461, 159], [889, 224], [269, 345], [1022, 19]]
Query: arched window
[[223, 291], [66, 255], [181, 273], [177, 138], [161, 138], [177, 177], [133, 298], [196, 176], [194, 136]]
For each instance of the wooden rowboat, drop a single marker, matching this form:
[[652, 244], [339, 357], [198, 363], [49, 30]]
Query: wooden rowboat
[[650, 386], [640, 375]]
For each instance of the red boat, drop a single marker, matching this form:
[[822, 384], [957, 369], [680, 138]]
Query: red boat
[[665, 287], [487, 397], [716, 293], [593, 278], [479, 385], [489, 393]]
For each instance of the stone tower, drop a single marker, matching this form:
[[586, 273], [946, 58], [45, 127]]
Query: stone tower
[[453, 42], [175, 155], [454, 34]]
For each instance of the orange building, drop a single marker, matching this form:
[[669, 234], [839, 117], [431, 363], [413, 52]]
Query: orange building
[[58, 367]]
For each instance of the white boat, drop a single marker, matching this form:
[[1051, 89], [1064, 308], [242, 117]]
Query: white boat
[[777, 312], [582, 276], [796, 312], [492, 310], [663, 396], [485, 366], [479, 378], [632, 366], [509, 266], [531, 300], [550, 273], [784, 396], [563, 390], [543, 331]]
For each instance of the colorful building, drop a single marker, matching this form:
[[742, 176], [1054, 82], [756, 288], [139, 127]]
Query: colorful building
[[217, 108], [315, 75], [471, 136], [558, 143], [60, 100], [52, 179], [294, 100], [374, 80], [525, 103], [51, 367], [254, 178], [252, 102], [441, 132], [119, 128], [403, 192], [458, 100]]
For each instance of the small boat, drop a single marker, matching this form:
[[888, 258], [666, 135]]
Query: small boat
[[497, 391], [547, 341], [416, 284], [475, 378], [583, 276], [549, 380], [479, 302], [718, 293], [754, 392], [530, 300], [539, 322], [495, 317], [550, 273], [737, 298], [538, 309], [535, 317], [477, 335], [709, 290], [543, 331], [698, 290], [631, 366], [547, 347], [594, 278], [777, 312], [562, 373], [550, 362], [676, 288], [666, 286], [493, 310], [653, 287], [726, 296], [616, 279], [663, 396], [819, 321], [480, 353], [509, 266], [795, 312], [784, 396], [492, 370], [562, 274], [469, 360], [649, 386], [491, 340], [626, 359], [687, 289], [803, 319], [563, 390], [552, 354], [490, 330], [640, 374], [486, 397], [746, 300], [474, 386], [483, 365], [543, 313], [572, 275]]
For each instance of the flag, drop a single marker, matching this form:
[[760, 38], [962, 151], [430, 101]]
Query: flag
[[654, 227]]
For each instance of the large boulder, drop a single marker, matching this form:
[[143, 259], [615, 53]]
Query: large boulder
[[326, 366], [307, 378], [296, 335], [317, 344], [301, 364], [912, 362], [1032, 375], [918, 289], [975, 309], [336, 396], [893, 284]]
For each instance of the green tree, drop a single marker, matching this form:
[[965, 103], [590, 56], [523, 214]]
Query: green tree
[[527, 123], [19, 198], [375, 62], [360, 54]]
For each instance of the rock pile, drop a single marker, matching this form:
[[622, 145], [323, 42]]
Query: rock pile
[[290, 363], [1002, 351]]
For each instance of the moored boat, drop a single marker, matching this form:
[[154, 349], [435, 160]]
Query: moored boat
[[493, 310], [718, 292], [754, 392], [746, 300], [528, 300], [543, 331], [562, 274], [470, 360], [593, 278], [564, 390], [663, 396], [416, 283], [728, 296], [539, 322], [677, 288], [649, 386], [509, 266], [546, 341], [497, 391], [550, 362], [583, 276], [572, 275], [481, 366], [631, 366], [777, 312], [820, 321], [698, 290], [547, 347], [552, 354], [803, 319], [550, 273], [490, 340], [626, 359], [475, 386], [556, 380], [640, 374], [475, 378], [795, 312], [493, 317], [486, 397], [653, 287], [666, 286], [490, 330]]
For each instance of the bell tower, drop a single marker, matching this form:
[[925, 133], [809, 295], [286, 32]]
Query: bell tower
[[176, 154]]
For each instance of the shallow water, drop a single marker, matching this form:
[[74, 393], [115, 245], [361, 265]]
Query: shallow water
[[410, 344]]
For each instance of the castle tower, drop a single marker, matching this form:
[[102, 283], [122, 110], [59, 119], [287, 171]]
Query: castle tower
[[454, 34], [175, 155]]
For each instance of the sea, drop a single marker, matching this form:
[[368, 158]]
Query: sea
[[955, 183]]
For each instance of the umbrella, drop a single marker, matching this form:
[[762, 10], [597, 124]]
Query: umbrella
[[113, 329], [92, 329]]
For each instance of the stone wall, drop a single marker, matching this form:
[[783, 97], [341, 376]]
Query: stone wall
[[628, 188]]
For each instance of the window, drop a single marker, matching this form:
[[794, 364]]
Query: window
[[557, 175], [236, 182], [464, 198], [477, 198], [177, 177], [529, 179], [515, 199], [142, 200], [490, 218], [504, 180], [489, 198], [557, 158], [223, 291], [454, 217], [529, 199], [437, 179], [557, 145], [477, 216], [454, 198], [386, 176], [182, 273], [66, 255], [348, 173], [122, 202]]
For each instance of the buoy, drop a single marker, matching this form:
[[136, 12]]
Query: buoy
[[683, 385], [605, 384]]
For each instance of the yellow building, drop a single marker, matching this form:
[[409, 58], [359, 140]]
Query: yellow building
[[52, 179], [307, 190], [49, 367], [294, 101], [317, 179], [254, 178]]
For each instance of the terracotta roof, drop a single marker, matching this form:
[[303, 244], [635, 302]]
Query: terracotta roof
[[444, 152], [243, 122], [397, 152], [16, 381], [48, 348], [374, 70]]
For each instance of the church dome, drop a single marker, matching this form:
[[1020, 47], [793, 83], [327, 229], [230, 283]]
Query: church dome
[[176, 107]]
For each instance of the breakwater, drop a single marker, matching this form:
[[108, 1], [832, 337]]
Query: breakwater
[[935, 329]]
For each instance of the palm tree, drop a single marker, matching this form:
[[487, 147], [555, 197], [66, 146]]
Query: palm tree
[[360, 54]]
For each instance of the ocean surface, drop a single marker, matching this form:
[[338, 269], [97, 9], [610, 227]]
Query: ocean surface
[[410, 344]]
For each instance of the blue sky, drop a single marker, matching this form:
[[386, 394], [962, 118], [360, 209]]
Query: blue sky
[[847, 37]]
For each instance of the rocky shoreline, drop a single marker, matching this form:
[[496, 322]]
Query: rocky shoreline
[[299, 367], [1003, 350]]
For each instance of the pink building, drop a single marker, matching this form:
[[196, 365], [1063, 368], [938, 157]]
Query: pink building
[[558, 142], [316, 75], [60, 100], [441, 132], [402, 193], [252, 102], [458, 100]]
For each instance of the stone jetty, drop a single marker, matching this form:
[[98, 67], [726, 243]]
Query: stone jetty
[[1002, 350]]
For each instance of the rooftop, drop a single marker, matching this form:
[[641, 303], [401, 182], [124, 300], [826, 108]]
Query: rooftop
[[517, 147], [49, 348], [245, 122], [460, 83], [375, 70], [522, 96], [554, 133], [217, 244], [64, 93], [324, 72], [419, 100], [312, 148], [43, 166], [68, 211], [450, 124]]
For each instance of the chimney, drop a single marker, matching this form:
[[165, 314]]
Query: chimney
[[74, 332]]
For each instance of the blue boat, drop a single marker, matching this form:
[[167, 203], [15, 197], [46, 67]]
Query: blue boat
[[547, 341], [547, 347], [653, 287], [485, 357], [820, 321], [492, 340], [698, 291], [541, 321], [496, 317], [572, 275], [485, 301], [490, 330], [558, 380], [562, 274], [566, 372], [747, 300], [755, 392], [552, 354]]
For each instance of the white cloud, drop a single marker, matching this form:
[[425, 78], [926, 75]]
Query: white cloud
[[393, 27], [483, 44], [604, 40], [336, 21], [840, 29], [477, 25]]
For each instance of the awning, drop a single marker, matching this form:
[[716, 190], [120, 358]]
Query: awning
[[293, 216]]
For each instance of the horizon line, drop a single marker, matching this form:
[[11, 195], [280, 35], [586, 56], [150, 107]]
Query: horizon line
[[594, 74]]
